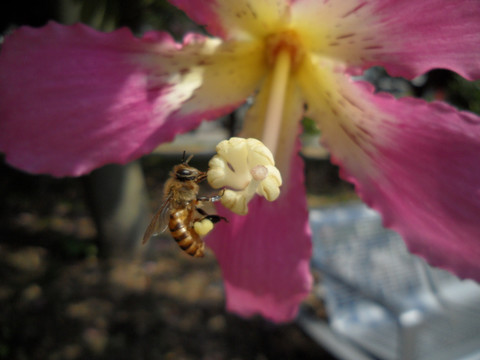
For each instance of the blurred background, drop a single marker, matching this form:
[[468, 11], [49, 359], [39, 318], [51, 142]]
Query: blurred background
[[76, 284]]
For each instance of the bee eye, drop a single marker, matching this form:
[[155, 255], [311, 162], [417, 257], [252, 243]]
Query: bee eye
[[184, 172]]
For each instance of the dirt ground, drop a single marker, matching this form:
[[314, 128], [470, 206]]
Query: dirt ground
[[60, 300]]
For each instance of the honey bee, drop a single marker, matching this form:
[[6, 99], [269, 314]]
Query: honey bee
[[177, 212]]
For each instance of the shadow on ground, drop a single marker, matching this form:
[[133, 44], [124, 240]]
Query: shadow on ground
[[59, 300]]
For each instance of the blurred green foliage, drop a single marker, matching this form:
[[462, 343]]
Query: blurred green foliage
[[139, 15], [309, 126], [464, 94], [106, 15]]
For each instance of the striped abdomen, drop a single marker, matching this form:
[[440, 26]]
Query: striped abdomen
[[185, 236]]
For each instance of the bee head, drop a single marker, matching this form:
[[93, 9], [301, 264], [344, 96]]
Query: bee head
[[184, 172]]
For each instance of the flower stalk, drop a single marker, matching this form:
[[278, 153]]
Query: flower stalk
[[278, 87]]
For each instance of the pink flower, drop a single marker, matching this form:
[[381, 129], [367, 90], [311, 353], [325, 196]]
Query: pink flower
[[73, 99]]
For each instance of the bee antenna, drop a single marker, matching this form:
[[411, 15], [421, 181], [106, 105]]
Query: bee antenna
[[188, 160]]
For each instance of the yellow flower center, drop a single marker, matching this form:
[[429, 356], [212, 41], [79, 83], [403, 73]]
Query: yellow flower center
[[285, 41]]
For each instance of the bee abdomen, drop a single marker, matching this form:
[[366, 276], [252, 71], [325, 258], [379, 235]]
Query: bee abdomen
[[184, 238]]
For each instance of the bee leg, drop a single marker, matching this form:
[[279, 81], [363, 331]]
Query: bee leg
[[213, 218], [216, 218], [213, 198]]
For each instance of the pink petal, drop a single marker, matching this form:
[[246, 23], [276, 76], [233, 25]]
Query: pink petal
[[429, 186], [417, 163], [73, 99], [265, 255], [423, 35], [235, 19], [407, 37]]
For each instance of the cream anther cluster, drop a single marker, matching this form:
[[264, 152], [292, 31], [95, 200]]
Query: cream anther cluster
[[244, 167]]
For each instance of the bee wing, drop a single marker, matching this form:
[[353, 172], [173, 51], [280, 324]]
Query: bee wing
[[159, 221]]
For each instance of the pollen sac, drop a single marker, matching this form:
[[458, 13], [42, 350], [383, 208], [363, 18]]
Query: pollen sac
[[244, 167], [203, 227]]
